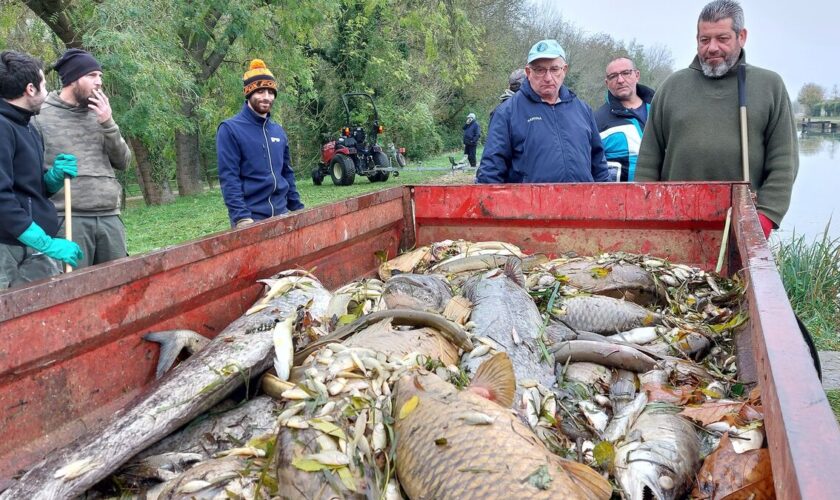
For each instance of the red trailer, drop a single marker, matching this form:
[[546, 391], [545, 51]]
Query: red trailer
[[71, 352]]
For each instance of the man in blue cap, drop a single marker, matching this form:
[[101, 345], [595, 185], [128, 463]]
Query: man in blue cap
[[544, 133]]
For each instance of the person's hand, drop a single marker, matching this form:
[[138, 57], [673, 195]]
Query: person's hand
[[100, 105], [247, 221], [63, 164], [57, 248], [766, 224], [65, 251]]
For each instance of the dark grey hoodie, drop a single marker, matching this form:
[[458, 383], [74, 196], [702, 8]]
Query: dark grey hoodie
[[99, 149]]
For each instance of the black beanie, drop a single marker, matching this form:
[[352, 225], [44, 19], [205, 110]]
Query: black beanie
[[74, 64]]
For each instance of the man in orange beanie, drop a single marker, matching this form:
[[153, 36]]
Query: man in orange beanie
[[255, 170]]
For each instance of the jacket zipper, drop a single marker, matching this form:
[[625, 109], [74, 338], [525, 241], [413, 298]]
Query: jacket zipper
[[270, 167]]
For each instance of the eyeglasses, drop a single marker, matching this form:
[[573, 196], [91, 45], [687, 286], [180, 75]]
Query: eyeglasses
[[539, 71], [624, 74]]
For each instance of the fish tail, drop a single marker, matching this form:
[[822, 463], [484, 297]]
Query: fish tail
[[171, 345], [495, 376]]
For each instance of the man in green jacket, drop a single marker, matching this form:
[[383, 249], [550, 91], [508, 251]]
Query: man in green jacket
[[693, 131], [78, 120]]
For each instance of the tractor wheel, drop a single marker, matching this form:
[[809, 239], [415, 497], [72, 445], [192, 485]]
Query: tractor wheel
[[317, 175], [342, 170], [381, 161], [400, 160]]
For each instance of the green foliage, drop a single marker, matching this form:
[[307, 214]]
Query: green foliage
[[811, 277], [192, 217], [833, 396], [176, 65], [810, 96]]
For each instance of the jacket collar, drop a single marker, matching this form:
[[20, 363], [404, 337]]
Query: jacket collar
[[14, 113], [248, 114], [643, 91], [566, 95], [733, 71]]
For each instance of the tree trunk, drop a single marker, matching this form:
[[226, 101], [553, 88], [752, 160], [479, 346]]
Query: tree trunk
[[154, 192], [188, 162]]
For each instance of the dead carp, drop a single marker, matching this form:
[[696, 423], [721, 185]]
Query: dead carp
[[620, 280], [504, 313], [423, 292], [458, 444], [604, 315]]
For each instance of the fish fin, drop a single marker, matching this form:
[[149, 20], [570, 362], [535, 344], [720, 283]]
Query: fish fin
[[495, 380], [586, 478], [513, 270], [171, 344]]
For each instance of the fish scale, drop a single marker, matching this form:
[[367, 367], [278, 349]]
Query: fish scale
[[500, 307], [477, 461], [605, 315]]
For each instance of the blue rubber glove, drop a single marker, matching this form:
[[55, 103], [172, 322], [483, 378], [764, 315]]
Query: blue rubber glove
[[62, 165], [57, 248]]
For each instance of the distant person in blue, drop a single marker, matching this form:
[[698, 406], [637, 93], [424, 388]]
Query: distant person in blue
[[472, 132], [621, 120], [255, 170], [543, 133]]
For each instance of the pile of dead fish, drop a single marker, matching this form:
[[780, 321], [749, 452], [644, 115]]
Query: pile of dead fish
[[468, 370]]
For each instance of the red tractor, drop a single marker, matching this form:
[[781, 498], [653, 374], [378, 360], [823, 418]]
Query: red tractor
[[355, 151]]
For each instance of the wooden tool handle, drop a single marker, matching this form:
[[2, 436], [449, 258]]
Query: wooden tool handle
[[68, 217]]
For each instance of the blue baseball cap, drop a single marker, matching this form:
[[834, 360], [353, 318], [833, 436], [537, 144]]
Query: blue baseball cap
[[546, 49]]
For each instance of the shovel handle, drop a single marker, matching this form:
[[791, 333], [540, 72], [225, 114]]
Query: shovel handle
[[742, 105], [68, 217]]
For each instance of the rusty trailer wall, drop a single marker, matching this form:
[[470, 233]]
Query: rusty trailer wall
[[71, 351]]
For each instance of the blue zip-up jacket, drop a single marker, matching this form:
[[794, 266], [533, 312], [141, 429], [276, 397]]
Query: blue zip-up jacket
[[255, 170], [621, 131], [532, 141], [472, 132], [23, 192]]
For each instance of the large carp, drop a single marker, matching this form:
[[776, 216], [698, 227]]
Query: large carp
[[242, 350], [506, 317], [458, 444]]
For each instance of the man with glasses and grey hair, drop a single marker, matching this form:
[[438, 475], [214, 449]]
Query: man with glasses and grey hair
[[621, 120], [543, 133], [693, 132]]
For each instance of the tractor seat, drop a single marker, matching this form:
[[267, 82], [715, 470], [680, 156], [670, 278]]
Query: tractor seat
[[359, 135]]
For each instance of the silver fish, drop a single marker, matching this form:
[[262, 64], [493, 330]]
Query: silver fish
[[423, 292], [620, 280], [605, 315], [244, 347], [172, 342], [659, 457], [504, 312]]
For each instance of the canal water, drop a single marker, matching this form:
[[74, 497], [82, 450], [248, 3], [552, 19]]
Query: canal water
[[816, 193]]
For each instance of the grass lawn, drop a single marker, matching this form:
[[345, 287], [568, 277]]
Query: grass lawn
[[834, 401], [191, 217]]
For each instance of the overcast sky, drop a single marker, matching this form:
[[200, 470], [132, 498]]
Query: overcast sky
[[799, 40]]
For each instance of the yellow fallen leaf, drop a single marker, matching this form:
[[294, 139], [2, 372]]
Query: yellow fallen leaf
[[328, 428], [308, 465], [409, 407], [604, 453], [346, 478], [600, 272]]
